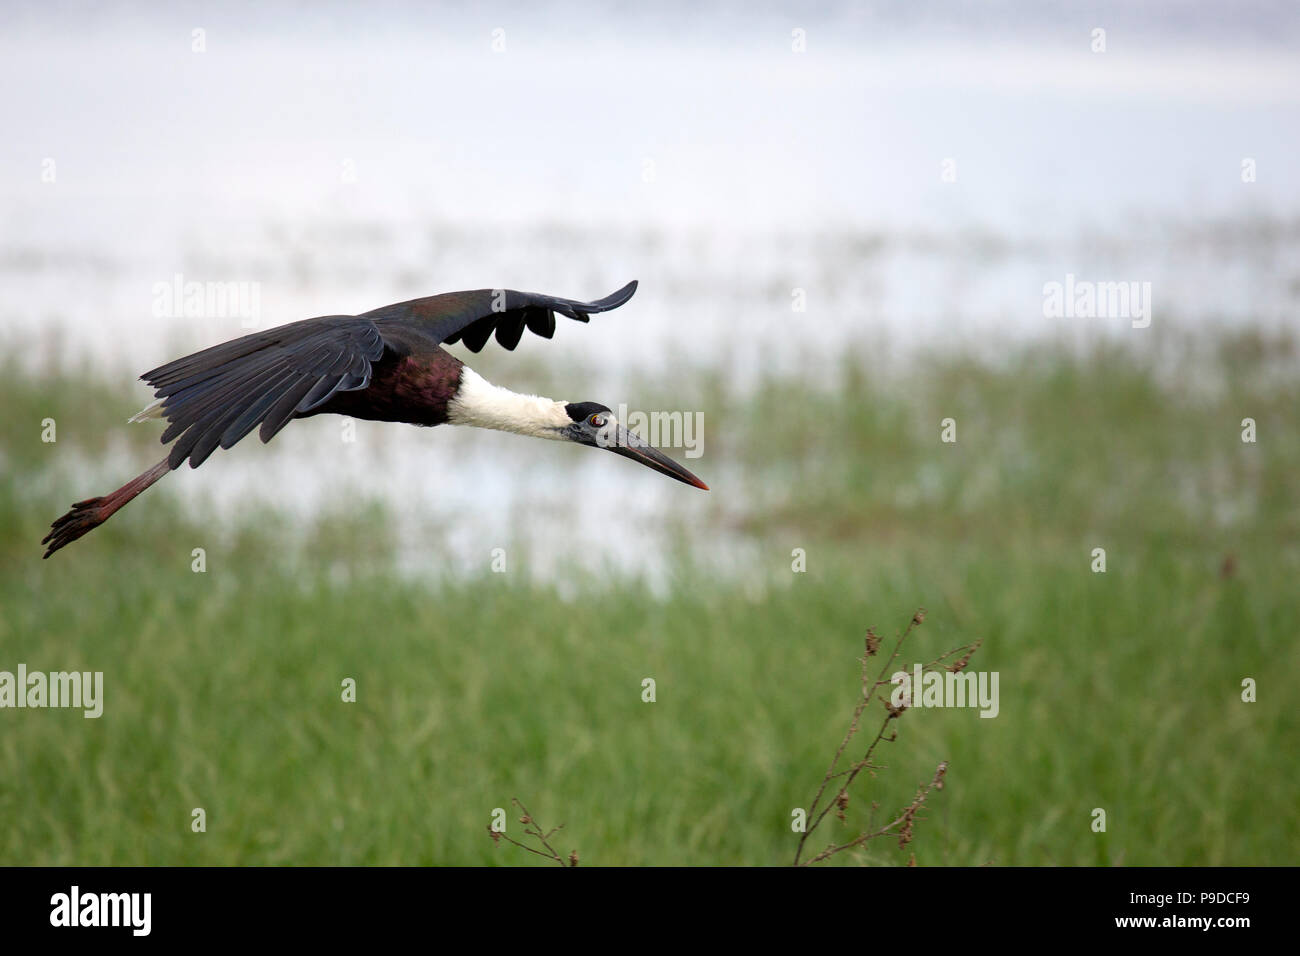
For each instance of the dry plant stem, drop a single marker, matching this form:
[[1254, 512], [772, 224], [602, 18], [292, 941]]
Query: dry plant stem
[[536, 832], [904, 818], [848, 736], [817, 811]]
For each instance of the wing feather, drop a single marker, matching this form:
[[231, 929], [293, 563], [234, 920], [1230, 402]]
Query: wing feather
[[472, 317], [215, 397]]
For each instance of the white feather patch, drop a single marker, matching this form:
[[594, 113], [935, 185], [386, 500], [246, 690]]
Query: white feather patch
[[149, 411], [480, 403]]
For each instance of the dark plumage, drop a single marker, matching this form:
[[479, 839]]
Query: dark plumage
[[216, 397], [386, 365]]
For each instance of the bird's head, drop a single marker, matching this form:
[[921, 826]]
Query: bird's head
[[479, 403], [593, 424]]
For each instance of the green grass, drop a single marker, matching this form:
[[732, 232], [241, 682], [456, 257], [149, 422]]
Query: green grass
[[1118, 690]]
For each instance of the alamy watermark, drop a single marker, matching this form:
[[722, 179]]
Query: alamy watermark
[[662, 429], [75, 689], [923, 688], [130, 910], [1083, 299], [179, 299]]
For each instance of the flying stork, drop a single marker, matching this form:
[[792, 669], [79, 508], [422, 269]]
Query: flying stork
[[385, 365]]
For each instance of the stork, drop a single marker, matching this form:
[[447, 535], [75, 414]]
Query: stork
[[386, 365]]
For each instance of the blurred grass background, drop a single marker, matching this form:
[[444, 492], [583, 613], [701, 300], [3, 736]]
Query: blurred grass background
[[1118, 690]]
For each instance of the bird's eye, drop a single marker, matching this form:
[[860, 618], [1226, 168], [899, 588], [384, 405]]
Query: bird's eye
[[596, 421]]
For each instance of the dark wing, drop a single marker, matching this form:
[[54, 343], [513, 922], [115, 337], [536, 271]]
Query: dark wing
[[217, 396], [472, 317]]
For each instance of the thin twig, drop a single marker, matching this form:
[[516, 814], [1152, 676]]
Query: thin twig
[[534, 829], [818, 811]]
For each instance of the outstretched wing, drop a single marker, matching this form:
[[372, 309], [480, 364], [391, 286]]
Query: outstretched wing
[[217, 396], [472, 317]]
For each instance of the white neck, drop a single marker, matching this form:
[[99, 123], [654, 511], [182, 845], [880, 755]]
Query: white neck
[[480, 403]]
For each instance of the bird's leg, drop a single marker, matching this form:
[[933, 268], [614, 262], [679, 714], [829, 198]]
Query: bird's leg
[[88, 515]]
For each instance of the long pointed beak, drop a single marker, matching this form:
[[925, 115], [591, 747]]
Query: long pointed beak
[[630, 445]]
